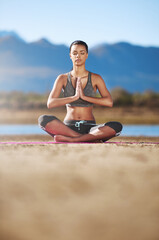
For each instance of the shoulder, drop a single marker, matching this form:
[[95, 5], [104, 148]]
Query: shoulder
[[96, 78], [62, 78]]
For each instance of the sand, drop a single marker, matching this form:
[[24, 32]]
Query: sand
[[79, 192]]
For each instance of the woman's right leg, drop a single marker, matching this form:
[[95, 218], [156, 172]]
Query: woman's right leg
[[54, 126]]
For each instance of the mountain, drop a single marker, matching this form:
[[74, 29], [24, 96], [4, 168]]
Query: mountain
[[34, 66], [10, 33], [132, 67]]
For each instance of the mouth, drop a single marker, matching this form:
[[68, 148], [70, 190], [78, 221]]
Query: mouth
[[77, 60]]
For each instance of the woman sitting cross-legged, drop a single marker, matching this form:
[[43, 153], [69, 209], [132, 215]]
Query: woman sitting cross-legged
[[79, 87]]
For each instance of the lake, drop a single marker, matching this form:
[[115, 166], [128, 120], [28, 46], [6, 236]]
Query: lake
[[128, 130]]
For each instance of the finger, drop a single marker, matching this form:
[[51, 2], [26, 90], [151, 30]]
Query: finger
[[78, 84], [78, 79]]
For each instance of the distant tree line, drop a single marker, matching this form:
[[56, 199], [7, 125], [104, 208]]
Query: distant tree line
[[121, 98], [21, 100]]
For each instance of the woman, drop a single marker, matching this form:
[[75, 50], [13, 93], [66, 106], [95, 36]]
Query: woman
[[79, 87]]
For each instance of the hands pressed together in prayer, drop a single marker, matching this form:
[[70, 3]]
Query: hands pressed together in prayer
[[79, 90]]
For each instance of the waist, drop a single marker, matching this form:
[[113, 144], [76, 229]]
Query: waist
[[79, 123], [79, 113], [82, 126], [84, 122]]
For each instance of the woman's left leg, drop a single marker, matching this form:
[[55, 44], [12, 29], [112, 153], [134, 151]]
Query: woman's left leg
[[103, 133]]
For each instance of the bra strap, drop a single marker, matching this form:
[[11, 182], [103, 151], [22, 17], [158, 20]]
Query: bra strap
[[89, 77], [69, 77]]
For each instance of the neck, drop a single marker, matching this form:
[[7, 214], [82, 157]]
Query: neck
[[79, 71]]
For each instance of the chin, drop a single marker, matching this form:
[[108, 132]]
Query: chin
[[79, 64]]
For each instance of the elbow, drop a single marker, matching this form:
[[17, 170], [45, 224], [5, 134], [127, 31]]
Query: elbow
[[49, 105], [110, 104]]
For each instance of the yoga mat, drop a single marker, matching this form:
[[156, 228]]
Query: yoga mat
[[45, 143]]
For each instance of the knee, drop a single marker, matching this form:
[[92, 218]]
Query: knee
[[117, 126], [44, 119]]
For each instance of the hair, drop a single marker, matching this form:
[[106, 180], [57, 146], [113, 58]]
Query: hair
[[79, 42]]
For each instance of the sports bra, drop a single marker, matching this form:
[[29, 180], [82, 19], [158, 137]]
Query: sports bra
[[69, 90]]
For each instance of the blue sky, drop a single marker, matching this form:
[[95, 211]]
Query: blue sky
[[63, 21]]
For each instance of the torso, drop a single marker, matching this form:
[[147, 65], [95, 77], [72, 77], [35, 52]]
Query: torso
[[76, 112]]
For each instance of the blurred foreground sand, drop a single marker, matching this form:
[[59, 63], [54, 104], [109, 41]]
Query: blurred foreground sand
[[79, 192]]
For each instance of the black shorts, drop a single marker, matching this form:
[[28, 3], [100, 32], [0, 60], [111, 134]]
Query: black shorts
[[84, 127], [80, 126]]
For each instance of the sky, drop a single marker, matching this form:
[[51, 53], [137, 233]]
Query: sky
[[93, 21]]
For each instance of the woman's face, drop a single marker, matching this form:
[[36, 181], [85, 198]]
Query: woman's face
[[78, 54]]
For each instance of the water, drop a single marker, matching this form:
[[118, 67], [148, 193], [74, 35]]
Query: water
[[141, 130], [128, 130]]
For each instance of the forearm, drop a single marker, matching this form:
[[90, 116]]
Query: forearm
[[57, 102], [104, 101]]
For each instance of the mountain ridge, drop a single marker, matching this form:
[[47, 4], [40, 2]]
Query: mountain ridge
[[34, 66]]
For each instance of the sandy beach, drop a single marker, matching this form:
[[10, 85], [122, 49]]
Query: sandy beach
[[79, 191]]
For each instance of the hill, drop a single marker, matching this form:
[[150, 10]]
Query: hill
[[34, 66]]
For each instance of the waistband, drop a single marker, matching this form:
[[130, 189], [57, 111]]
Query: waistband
[[77, 123], [85, 122]]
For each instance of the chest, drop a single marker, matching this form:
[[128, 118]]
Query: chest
[[85, 82]]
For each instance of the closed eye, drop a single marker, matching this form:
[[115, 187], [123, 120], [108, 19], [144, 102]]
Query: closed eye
[[82, 52]]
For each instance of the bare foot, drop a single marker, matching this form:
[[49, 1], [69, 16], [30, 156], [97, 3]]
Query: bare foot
[[61, 138]]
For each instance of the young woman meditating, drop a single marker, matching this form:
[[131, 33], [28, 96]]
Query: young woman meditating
[[79, 87]]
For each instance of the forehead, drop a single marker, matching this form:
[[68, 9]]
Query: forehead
[[78, 47]]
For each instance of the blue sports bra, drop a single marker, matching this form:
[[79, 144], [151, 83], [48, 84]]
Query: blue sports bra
[[70, 91]]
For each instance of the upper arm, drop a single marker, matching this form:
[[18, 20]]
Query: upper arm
[[100, 85], [58, 85]]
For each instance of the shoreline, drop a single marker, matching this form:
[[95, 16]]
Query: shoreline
[[125, 115]]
